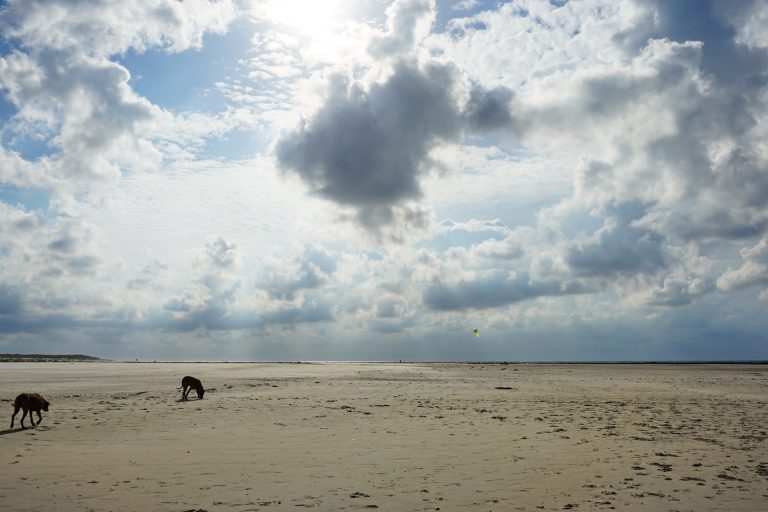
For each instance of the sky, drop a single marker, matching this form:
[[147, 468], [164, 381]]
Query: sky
[[372, 179]]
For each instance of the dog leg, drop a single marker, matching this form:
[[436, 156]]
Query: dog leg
[[15, 411]]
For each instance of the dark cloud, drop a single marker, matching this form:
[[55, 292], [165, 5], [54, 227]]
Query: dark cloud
[[308, 312], [718, 222], [28, 223], [69, 251], [495, 289], [10, 301], [708, 21], [83, 264], [619, 247], [390, 325], [23, 324], [725, 197], [65, 245], [489, 109], [368, 149]]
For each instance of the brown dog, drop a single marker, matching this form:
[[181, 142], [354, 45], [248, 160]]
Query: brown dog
[[188, 384], [29, 403]]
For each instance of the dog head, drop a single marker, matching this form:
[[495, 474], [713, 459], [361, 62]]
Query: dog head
[[200, 393], [46, 403]]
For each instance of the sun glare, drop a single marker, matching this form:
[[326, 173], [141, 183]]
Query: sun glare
[[312, 18]]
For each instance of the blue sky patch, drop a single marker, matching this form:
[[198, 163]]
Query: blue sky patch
[[29, 198], [185, 81]]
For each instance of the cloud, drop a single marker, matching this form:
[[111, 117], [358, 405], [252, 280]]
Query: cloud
[[307, 312], [408, 22], [69, 93], [665, 138], [222, 254], [753, 271], [506, 249], [676, 291], [494, 289], [212, 294], [489, 109], [106, 28], [151, 276], [312, 269], [749, 18], [391, 306], [660, 97], [367, 149], [451, 233], [619, 247], [16, 223], [368, 146], [465, 5], [712, 23], [10, 301], [87, 106]]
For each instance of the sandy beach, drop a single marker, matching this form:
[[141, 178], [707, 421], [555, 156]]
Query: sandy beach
[[400, 437]]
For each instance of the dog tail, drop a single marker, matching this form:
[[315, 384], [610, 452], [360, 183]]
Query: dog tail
[[179, 387]]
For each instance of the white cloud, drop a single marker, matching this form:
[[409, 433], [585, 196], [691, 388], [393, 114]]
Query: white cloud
[[522, 42], [64, 84], [753, 271], [465, 5], [408, 23], [104, 28], [751, 25]]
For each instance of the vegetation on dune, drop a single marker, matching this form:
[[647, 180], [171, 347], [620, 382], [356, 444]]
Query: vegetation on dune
[[44, 358]]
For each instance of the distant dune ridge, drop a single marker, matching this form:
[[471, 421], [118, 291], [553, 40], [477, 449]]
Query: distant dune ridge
[[45, 358]]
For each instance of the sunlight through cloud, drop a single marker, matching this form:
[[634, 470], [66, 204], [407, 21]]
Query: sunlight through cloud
[[307, 17]]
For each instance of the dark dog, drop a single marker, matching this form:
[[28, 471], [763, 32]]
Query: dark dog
[[29, 403], [188, 384]]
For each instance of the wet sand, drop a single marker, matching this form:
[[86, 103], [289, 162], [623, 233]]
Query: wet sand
[[399, 437]]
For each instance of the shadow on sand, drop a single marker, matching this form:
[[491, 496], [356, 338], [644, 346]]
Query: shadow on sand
[[13, 430]]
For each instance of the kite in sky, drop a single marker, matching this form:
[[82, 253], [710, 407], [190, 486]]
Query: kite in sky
[[476, 333]]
